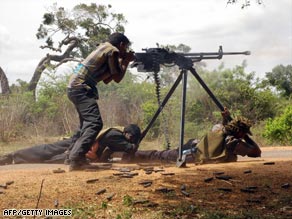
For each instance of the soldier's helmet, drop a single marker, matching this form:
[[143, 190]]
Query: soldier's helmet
[[238, 124], [134, 131]]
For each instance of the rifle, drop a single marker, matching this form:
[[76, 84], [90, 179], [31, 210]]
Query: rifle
[[152, 58]]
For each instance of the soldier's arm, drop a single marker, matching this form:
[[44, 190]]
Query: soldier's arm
[[225, 116], [118, 66], [254, 149]]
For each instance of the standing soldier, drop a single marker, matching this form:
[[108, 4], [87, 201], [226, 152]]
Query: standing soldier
[[107, 62]]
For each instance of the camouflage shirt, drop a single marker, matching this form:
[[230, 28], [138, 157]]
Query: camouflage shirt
[[100, 65]]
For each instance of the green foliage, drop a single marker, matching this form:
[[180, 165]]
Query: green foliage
[[50, 112], [149, 108], [52, 90], [279, 129], [236, 90], [281, 79]]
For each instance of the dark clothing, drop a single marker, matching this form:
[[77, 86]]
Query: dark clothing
[[45, 153], [90, 122], [164, 155], [115, 140], [154, 155]]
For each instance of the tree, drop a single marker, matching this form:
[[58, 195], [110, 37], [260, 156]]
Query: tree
[[281, 79], [79, 30], [238, 91], [4, 83]]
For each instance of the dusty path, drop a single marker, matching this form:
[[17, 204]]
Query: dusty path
[[254, 188]]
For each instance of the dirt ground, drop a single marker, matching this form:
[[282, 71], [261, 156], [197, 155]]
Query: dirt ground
[[250, 188]]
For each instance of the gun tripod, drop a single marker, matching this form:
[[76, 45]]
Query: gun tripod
[[182, 77], [150, 62]]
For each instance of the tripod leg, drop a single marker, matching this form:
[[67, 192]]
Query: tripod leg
[[181, 162]]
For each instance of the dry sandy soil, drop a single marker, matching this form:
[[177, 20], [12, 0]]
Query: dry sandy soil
[[250, 188]]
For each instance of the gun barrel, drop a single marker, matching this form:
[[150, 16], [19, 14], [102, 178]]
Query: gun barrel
[[204, 54], [237, 53], [196, 57]]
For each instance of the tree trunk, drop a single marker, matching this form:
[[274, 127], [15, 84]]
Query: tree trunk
[[73, 42], [4, 83], [37, 73]]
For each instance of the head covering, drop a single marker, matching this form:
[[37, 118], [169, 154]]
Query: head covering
[[134, 131], [239, 123]]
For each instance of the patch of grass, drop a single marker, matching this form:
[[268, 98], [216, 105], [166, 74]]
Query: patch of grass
[[127, 214], [243, 214], [223, 215], [82, 210], [181, 210], [127, 200], [286, 199]]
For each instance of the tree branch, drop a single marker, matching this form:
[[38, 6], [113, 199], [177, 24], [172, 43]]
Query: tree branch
[[71, 59], [72, 41]]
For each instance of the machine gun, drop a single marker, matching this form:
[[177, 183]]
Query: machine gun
[[153, 58]]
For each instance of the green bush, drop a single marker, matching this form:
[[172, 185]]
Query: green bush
[[280, 128]]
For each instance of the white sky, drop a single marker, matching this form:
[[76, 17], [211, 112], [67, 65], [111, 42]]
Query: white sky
[[201, 24]]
